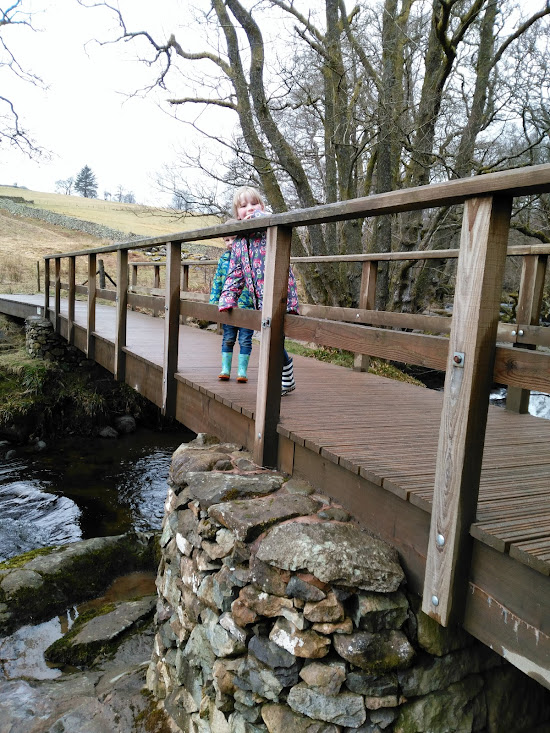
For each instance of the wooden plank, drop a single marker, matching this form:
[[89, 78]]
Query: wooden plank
[[241, 317], [534, 553], [268, 395], [516, 368], [121, 313], [434, 324], [533, 274], [411, 348], [465, 402], [171, 327], [91, 305]]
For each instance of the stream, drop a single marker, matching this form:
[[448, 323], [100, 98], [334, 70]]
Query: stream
[[85, 487]]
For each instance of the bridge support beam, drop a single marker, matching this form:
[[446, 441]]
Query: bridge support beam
[[468, 382], [268, 396]]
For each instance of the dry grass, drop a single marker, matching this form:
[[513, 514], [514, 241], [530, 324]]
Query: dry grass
[[25, 241]]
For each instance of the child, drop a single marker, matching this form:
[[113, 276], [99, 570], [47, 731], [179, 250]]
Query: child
[[246, 270], [230, 332]]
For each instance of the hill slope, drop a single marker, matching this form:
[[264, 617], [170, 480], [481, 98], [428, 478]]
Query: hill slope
[[25, 239]]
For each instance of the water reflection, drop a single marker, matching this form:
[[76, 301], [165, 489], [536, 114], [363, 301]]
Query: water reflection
[[85, 488]]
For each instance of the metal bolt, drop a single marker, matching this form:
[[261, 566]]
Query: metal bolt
[[513, 333], [520, 332], [435, 600], [458, 358], [259, 436], [440, 540]]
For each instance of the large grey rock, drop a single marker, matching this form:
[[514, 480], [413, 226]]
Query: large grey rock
[[460, 707], [375, 611], [249, 518], [269, 653], [280, 719], [381, 652], [437, 673], [97, 635], [212, 488], [335, 553], [344, 709]]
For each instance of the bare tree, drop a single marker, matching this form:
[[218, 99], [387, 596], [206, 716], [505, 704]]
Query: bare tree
[[359, 101], [12, 128], [65, 185]]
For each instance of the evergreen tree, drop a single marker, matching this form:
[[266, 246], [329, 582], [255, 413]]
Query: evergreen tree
[[86, 184]]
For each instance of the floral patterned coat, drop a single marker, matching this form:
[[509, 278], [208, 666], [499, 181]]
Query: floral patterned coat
[[245, 299], [246, 270]]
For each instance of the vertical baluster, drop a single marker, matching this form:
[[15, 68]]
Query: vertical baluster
[[71, 305], [268, 396], [92, 294], [367, 301], [468, 382], [531, 289], [121, 314], [133, 279], [46, 288], [171, 327]]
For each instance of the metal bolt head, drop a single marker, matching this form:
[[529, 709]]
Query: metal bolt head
[[259, 436], [440, 540], [457, 359], [520, 332], [513, 333], [435, 601]]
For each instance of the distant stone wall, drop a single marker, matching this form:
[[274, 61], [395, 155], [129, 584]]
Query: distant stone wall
[[277, 613], [42, 342]]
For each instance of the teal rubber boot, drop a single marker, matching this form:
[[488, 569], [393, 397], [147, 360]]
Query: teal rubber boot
[[243, 367], [227, 358]]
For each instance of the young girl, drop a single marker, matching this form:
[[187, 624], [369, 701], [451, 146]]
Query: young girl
[[230, 333], [246, 269]]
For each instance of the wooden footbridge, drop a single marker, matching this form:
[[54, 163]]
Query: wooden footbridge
[[460, 488]]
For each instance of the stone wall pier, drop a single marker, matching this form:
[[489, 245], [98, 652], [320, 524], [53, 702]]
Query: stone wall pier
[[276, 612]]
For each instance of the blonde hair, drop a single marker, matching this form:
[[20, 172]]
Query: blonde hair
[[243, 193]]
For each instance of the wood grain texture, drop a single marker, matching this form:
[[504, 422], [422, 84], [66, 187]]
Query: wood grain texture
[[466, 397]]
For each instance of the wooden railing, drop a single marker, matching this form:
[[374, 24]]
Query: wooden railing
[[468, 350]]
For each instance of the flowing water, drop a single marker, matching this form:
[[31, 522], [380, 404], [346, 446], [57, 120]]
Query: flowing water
[[84, 488]]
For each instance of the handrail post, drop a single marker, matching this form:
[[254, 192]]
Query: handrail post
[[185, 288], [367, 301], [156, 284], [121, 314], [133, 278], [531, 289], [57, 296], [468, 380], [171, 328], [71, 305], [92, 295], [46, 288], [268, 395]]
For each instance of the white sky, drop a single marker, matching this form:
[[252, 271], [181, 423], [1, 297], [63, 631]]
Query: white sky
[[84, 117]]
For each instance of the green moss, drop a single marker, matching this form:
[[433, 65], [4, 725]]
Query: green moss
[[63, 652], [152, 719], [340, 357], [20, 560]]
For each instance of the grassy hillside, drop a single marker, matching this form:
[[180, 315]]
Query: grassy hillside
[[25, 240]]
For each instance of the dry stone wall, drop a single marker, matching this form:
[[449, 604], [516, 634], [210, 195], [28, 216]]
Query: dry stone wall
[[277, 613]]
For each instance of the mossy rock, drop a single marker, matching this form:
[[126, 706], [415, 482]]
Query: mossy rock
[[70, 574]]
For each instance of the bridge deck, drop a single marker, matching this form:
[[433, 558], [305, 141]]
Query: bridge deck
[[371, 443]]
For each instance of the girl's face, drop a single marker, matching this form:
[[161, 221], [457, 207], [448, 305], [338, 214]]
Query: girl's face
[[228, 241], [246, 208]]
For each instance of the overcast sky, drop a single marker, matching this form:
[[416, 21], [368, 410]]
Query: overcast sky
[[84, 117]]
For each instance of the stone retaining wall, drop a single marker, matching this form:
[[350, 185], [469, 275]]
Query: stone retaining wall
[[42, 342], [276, 612]]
